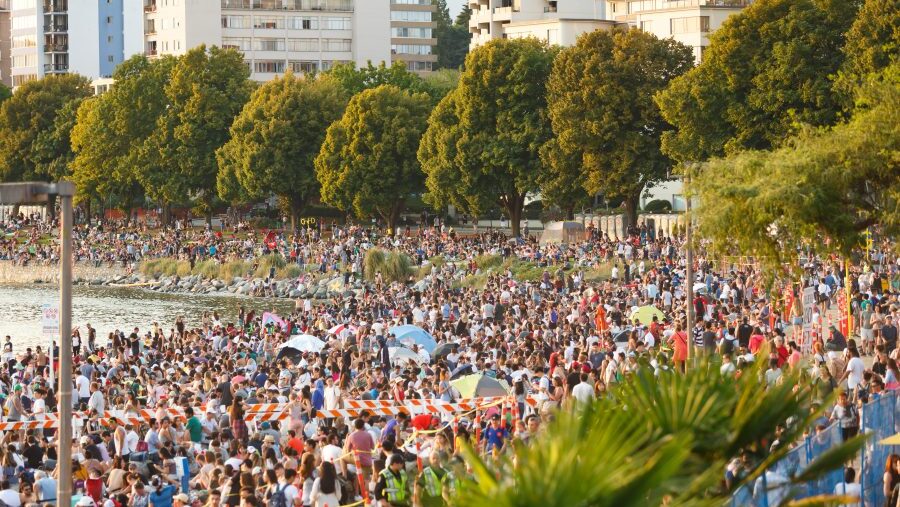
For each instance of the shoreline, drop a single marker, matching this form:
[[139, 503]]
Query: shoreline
[[116, 277]]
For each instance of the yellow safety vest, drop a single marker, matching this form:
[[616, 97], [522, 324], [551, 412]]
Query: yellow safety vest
[[433, 484], [395, 489]]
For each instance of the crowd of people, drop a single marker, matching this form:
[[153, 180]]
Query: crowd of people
[[556, 340]]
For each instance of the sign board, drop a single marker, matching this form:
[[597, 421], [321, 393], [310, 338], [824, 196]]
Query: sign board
[[809, 300], [50, 319]]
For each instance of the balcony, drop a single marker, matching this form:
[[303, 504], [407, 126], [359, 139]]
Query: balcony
[[658, 5], [150, 7], [150, 30], [549, 9], [55, 7], [56, 67], [56, 48], [56, 28]]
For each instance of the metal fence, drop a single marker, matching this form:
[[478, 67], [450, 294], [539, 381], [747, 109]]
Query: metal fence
[[878, 418]]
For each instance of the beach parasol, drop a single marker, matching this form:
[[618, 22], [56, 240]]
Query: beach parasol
[[479, 386], [409, 334], [403, 355], [645, 314]]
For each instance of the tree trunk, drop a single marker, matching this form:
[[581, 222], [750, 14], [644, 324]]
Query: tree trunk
[[570, 212], [166, 217], [631, 208], [87, 211], [297, 204], [51, 207], [15, 210], [514, 207], [393, 217]]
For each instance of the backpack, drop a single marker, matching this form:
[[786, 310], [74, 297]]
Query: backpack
[[278, 498]]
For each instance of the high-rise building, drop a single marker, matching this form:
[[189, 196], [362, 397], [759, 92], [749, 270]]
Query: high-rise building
[[297, 35], [687, 21], [60, 36], [5, 43], [554, 21]]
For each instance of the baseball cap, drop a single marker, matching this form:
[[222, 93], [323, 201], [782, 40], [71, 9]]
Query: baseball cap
[[181, 497]]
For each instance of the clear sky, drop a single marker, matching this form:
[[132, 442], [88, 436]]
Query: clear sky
[[455, 6]]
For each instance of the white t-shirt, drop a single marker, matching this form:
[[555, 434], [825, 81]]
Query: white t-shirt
[[10, 498], [290, 492], [851, 490], [331, 453], [84, 386], [856, 367], [583, 392]]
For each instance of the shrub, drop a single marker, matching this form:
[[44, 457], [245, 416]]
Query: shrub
[[397, 267], [267, 262], [485, 262], [290, 271], [231, 269], [373, 263], [658, 206], [181, 268], [208, 269]]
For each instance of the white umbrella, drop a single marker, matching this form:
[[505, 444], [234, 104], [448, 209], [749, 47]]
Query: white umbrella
[[304, 343], [404, 355]]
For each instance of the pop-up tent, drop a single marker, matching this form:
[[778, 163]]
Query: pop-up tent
[[563, 232]]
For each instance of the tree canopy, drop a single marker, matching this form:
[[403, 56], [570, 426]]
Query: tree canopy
[[481, 149], [207, 89], [600, 96], [276, 138], [767, 70], [826, 185], [33, 124], [368, 159], [452, 37]]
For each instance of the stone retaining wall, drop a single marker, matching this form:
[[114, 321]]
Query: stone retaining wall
[[39, 273]]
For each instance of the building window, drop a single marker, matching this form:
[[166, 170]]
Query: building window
[[303, 23], [24, 22], [235, 21], [24, 78], [410, 49], [269, 45], [23, 4], [647, 26], [235, 4], [24, 61], [418, 66], [411, 2], [239, 43], [109, 38], [268, 22], [109, 59], [330, 64], [410, 32], [304, 67], [268, 67], [337, 23], [333, 45], [24, 41], [108, 20], [418, 16], [303, 44], [692, 24]]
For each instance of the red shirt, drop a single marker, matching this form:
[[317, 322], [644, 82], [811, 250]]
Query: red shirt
[[755, 342]]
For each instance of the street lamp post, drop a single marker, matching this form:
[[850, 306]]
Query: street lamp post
[[40, 192], [689, 268]]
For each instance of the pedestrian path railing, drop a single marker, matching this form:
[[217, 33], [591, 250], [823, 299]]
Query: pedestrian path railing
[[878, 418]]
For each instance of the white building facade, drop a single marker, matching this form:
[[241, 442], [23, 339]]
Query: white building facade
[[297, 35], [554, 21], [687, 21]]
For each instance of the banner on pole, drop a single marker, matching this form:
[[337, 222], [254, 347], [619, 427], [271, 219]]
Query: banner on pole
[[50, 319]]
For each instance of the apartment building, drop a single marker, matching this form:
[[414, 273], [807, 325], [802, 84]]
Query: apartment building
[[60, 36], [687, 21], [297, 35], [5, 44], [554, 21]]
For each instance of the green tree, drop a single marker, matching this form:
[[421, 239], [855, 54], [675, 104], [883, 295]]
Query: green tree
[[355, 80], [111, 134], [207, 89], [482, 145], [452, 38], [29, 126], [52, 151], [824, 187], [5, 92], [562, 184], [662, 440], [602, 111], [368, 160], [767, 70], [276, 138], [873, 43]]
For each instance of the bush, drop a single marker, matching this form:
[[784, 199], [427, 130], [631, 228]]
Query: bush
[[267, 262], [658, 206], [485, 262], [181, 268], [208, 269], [290, 271], [373, 262], [231, 269], [397, 267]]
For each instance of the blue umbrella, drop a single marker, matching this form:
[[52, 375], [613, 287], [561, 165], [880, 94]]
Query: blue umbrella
[[410, 334]]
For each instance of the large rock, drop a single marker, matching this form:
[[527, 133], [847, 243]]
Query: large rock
[[295, 294], [336, 284]]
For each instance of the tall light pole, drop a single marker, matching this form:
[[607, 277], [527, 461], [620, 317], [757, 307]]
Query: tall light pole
[[689, 268], [40, 192]]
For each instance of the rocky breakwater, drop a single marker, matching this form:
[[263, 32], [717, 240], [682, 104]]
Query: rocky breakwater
[[322, 288]]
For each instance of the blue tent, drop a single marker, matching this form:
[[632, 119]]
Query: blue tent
[[409, 334]]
